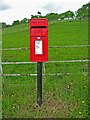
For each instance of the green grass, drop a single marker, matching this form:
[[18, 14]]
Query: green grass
[[54, 54], [64, 96], [60, 33], [57, 68], [68, 33]]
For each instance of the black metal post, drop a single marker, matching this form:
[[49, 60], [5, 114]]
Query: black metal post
[[39, 83]]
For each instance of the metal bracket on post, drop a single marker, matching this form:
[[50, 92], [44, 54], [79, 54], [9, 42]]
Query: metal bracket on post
[[39, 83]]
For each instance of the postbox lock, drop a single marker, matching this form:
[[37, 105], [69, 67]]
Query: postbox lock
[[38, 38]]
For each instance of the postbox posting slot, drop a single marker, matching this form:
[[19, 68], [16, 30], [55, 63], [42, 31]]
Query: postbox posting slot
[[38, 27]]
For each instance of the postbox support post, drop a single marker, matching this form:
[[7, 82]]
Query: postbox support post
[[39, 83]]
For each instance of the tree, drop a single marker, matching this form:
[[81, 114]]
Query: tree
[[69, 14], [8, 26], [25, 20], [83, 11], [62, 16], [52, 16], [3, 25], [15, 22], [34, 16]]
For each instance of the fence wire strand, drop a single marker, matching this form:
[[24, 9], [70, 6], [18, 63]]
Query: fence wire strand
[[59, 61], [27, 48], [53, 74]]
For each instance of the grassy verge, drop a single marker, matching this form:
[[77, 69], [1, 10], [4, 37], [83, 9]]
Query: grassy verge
[[64, 96]]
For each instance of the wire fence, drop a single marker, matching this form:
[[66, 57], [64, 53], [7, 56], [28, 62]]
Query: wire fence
[[59, 61]]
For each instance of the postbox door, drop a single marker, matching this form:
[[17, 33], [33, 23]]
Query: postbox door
[[39, 49]]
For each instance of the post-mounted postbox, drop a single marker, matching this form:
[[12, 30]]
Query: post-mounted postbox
[[38, 40]]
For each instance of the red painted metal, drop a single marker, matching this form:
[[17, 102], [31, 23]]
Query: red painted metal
[[39, 32]]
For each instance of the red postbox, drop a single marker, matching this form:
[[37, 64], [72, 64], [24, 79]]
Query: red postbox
[[38, 40]]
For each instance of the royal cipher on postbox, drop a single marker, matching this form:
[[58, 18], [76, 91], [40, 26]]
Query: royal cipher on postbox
[[38, 40]]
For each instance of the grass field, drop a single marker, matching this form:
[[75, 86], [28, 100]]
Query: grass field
[[64, 96]]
